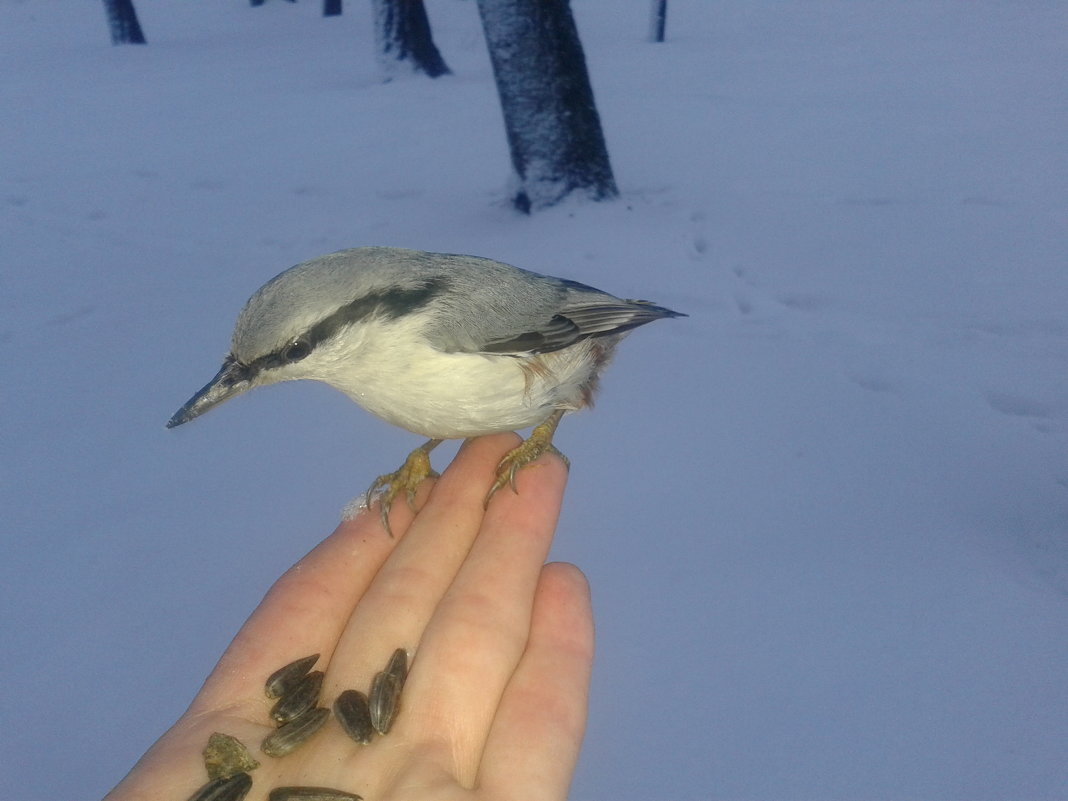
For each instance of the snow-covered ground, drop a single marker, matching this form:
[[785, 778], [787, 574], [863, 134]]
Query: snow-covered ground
[[825, 517]]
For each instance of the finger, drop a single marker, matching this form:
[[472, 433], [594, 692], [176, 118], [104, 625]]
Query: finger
[[303, 613], [395, 609], [536, 736], [306, 610], [480, 628]]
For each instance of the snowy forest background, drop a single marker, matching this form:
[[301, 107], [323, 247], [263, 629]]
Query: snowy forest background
[[825, 518]]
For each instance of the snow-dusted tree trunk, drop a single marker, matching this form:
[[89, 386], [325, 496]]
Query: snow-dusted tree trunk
[[554, 131], [122, 21], [658, 21], [403, 39]]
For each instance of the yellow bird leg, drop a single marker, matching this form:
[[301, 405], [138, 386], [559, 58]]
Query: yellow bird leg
[[406, 479], [540, 441]]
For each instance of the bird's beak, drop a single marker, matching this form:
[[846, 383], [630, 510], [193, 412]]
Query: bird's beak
[[232, 379]]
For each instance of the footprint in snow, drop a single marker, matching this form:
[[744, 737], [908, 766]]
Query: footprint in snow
[[872, 382], [1018, 405]]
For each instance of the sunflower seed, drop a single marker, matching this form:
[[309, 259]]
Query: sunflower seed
[[397, 667], [384, 701], [224, 788], [225, 756], [354, 715], [299, 699], [288, 676], [311, 794], [294, 733]]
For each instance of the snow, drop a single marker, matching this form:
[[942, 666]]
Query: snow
[[825, 517]]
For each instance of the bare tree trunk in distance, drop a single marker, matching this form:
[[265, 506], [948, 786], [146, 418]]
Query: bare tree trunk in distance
[[658, 21], [403, 39], [122, 21], [554, 131], [331, 8]]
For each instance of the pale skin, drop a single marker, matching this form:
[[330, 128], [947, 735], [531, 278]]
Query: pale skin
[[501, 644]]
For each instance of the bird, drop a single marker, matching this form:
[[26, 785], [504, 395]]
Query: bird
[[446, 346]]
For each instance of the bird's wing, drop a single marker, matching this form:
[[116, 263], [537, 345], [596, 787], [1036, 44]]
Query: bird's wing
[[507, 311], [577, 322]]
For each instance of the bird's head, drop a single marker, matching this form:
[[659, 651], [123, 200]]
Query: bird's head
[[309, 321]]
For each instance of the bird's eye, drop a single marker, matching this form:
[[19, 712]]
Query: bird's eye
[[296, 350]]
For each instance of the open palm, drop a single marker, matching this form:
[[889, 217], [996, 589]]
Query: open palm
[[501, 645]]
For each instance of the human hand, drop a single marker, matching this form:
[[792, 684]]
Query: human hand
[[495, 702]]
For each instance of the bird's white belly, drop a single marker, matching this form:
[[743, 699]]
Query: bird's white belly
[[454, 395], [463, 396]]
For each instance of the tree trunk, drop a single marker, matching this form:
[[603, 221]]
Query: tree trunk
[[658, 21], [403, 39], [331, 8], [122, 21], [554, 131]]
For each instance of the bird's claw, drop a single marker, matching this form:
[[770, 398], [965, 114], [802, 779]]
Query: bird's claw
[[406, 479], [539, 442]]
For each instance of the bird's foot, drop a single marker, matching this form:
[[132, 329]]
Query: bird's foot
[[539, 442], [406, 479]]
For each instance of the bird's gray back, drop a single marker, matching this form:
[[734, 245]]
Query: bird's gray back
[[467, 303]]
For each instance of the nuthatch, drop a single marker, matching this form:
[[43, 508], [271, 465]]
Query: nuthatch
[[446, 346]]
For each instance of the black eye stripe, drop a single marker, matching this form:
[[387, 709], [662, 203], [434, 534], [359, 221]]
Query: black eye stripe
[[387, 304]]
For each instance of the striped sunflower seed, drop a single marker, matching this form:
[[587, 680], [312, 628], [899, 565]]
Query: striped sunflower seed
[[224, 788], [311, 794], [295, 733], [384, 701], [288, 676], [298, 700], [397, 667], [354, 715]]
